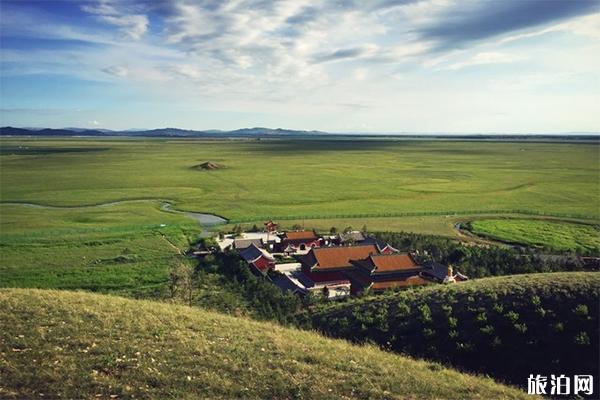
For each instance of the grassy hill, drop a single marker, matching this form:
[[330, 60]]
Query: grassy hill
[[507, 327], [57, 344]]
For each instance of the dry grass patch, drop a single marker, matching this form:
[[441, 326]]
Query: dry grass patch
[[74, 345]]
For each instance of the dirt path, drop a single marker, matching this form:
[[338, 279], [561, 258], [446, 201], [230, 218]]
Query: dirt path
[[171, 244]]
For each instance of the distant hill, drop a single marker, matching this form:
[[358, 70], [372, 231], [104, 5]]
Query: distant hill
[[56, 344], [503, 326], [10, 131], [259, 132], [162, 132]]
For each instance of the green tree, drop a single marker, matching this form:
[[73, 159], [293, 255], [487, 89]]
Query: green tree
[[237, 230]]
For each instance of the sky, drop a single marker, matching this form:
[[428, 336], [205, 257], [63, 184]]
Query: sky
[[489, 66]]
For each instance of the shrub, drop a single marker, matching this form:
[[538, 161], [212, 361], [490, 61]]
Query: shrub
[[452, 322], [512, 316], [581, 310], [425, 313], [582, 339]]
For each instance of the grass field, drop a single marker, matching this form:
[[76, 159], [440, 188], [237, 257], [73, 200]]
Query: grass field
[[123, 248], [118, 248], [552, 235], [73, 345], [304, 178], [426, 224]]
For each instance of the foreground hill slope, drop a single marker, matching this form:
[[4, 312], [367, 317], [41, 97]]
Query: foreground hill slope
[[75, 345], [504, 326]]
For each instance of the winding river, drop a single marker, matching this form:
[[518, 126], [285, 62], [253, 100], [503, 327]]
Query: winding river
[[203, 219]]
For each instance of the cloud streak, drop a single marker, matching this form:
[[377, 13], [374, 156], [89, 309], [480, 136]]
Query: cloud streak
[[471, 21], [485, 58], [131, 26]]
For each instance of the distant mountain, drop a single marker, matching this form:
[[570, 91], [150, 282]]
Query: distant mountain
[[76, 129], [10, 131], [258, 132], [270, 132], [161, 132]]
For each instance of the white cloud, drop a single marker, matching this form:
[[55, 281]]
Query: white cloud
[[186, 71], [116, 70], [490, 57], [360, 74], [131, 26]]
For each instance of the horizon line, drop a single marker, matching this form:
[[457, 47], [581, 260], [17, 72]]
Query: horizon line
[[316, 131]]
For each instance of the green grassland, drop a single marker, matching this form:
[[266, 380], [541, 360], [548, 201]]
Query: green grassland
[[303, 178], [503, 326], [426, 224], [57, 344], [123, 248], [552, 235]]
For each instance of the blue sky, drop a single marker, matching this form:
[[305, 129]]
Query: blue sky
[[504, 66]]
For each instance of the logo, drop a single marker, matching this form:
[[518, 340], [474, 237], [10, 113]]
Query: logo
[[560, 385]]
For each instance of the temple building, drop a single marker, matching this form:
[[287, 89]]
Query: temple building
[[441, 273], [327, 265], [378, 272], [299, 240], [382, 247], [259, 260]]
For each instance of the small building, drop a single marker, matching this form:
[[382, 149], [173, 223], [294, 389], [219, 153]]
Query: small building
[[259, 260], [383, 247], [266, 240], [378, 272], [330, 240], [441, 273], [288, 283], [270, 226], [299, 240], [241, 244], [352, 237], [326, 265]]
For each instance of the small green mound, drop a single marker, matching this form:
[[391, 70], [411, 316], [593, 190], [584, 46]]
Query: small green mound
[[208, 166], [57, 344], [554, 235]]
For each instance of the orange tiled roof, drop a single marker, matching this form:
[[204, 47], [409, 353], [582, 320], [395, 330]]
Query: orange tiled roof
[[339, 257], [392, 262], [412, 281], [300, 235]]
